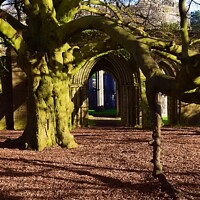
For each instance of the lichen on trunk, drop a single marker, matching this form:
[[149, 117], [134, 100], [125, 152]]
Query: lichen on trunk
[[63, 107], [49, 108]]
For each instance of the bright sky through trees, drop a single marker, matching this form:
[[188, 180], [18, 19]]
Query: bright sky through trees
[[195, 5]]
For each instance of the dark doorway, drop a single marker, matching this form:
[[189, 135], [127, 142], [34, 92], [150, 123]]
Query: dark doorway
[[103, 99]]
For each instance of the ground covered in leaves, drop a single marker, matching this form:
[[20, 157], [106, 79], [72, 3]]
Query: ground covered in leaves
[[110, 163]]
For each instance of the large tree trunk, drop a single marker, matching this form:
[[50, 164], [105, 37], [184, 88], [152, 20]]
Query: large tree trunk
[[49, 109]]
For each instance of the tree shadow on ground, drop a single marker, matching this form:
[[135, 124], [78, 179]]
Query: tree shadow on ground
[[88, 173], [150, 186], [5, 196]]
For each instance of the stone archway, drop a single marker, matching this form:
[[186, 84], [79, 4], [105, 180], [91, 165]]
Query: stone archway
[[173, 111], [123, 73]]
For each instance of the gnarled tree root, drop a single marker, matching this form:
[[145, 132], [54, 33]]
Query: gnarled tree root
[[168, 187]]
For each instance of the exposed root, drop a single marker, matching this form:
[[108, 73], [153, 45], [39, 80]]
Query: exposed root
[[21, 143], [71, 145], [168, 187]]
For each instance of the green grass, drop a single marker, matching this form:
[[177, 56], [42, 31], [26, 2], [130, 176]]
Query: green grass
[[165, 120], [104, 113]]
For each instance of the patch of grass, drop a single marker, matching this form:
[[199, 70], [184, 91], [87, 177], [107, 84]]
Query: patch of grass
[[165, 120], [104, 113]]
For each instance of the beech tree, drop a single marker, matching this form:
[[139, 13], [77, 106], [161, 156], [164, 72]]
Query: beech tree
[[48, 55], [50, 50]]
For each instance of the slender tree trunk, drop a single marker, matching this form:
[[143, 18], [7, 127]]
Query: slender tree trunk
[[156, 136], [154, 103]]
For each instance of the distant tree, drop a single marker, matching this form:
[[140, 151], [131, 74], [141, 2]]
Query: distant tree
[[195, 21]]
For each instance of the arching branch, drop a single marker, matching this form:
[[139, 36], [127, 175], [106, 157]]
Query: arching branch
[[105, 4], [13, 37], [139, 49], [167, 55], [118, 34], [192, 42], [93, 50], [156, 43], [66, 10]]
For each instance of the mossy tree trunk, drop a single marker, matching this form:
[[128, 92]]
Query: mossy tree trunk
[[49, 107]]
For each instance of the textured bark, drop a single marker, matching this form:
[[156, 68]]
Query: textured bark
[[49, 109], [155, 106], [156, 143], [63, 108]]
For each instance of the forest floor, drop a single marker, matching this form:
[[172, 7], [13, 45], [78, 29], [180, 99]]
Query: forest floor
[[111, 163]]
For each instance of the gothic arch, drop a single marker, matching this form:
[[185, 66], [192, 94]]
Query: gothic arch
[[171, 69], [123, 73]]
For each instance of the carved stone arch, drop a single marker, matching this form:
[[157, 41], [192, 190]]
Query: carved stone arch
[[123, 73], [171, 69]]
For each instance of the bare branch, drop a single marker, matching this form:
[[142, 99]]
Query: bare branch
[[66, 10], [91, 9], [106, 5], [195, 2], [192, 42]]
